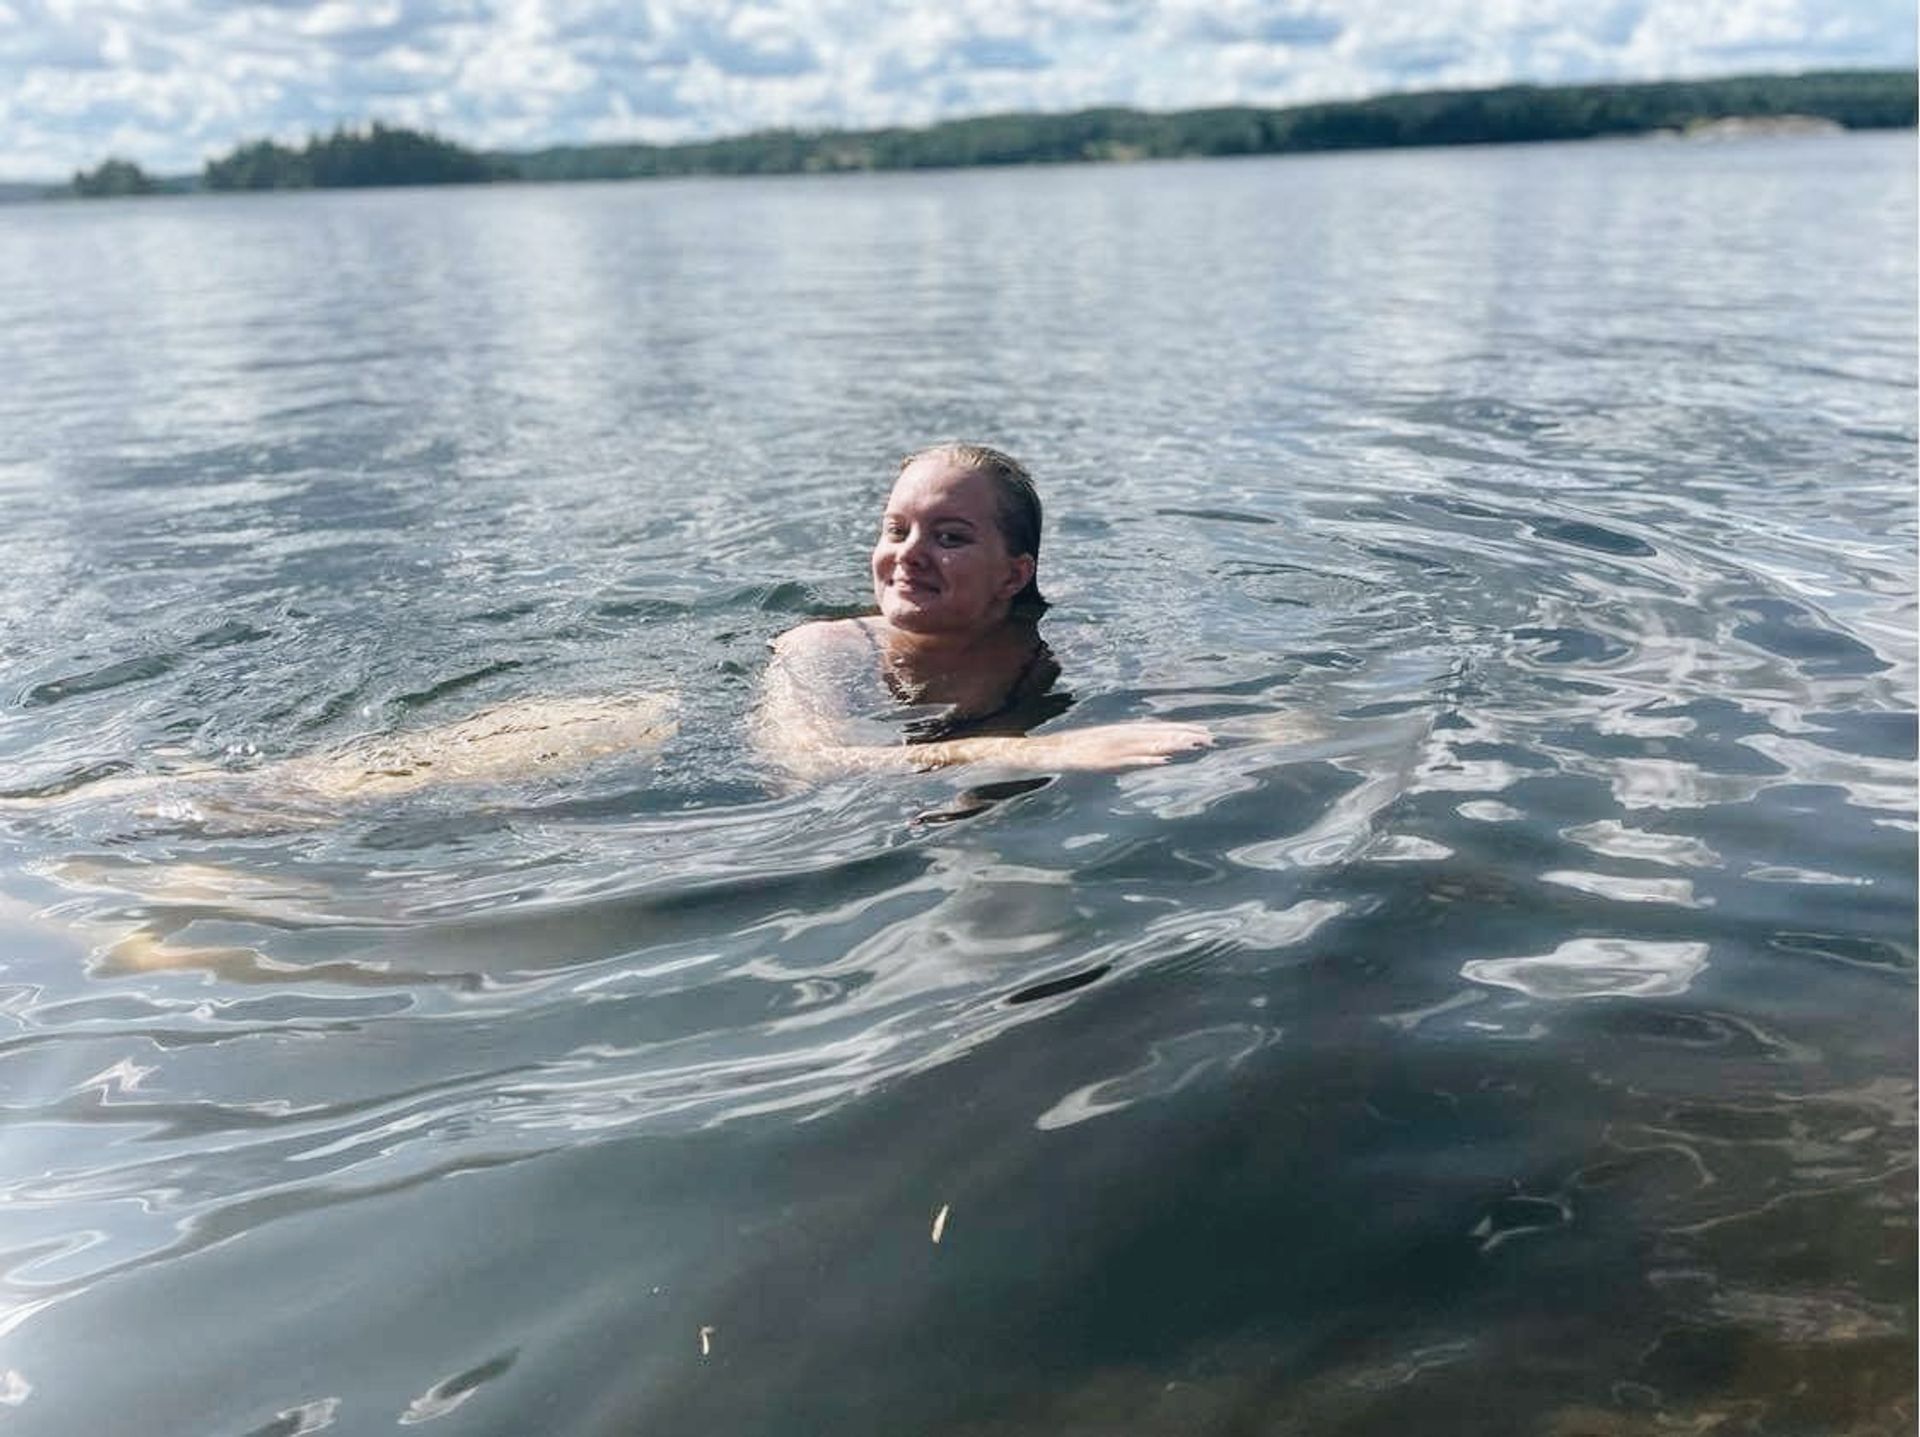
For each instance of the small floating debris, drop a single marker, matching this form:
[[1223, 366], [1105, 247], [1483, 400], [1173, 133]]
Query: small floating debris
[[706, 1341], [940, 1221]]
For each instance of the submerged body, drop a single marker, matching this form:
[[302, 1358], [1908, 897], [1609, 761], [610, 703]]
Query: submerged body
[[510, 742]]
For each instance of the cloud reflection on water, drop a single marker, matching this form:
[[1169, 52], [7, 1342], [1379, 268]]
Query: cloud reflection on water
[[1596, 968]]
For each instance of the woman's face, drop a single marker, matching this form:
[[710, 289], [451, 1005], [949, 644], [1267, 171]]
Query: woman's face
[[941, 565]]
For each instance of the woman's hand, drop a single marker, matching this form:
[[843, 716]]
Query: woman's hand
[[1114, 745], [1108, 746]]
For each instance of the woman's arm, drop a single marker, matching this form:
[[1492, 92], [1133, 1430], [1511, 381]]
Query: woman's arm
[[798, 726]]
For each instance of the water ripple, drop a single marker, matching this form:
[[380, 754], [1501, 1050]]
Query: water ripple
[[1534, 528]]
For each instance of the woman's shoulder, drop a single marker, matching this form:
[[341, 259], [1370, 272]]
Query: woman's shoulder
[[825, 636]]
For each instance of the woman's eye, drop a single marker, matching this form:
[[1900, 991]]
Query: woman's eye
[[952, 539]]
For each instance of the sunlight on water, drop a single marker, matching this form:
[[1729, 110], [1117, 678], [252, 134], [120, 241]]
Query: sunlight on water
[[1597, 968]]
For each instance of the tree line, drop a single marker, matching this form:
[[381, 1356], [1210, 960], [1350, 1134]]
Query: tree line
[[1853, 99], [385, 155], [350, 159]]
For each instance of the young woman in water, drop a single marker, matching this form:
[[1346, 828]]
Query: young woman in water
[[952, 670], [953, 664], [954, 657]]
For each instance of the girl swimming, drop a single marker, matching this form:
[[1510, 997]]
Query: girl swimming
[[955, 650]]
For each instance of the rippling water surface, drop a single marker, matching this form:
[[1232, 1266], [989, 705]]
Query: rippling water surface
[[1507, 1028]]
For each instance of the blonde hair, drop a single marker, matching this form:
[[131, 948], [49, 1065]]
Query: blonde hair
[[1017, 505]]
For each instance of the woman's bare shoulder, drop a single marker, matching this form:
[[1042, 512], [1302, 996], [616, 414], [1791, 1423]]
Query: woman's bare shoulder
[[821, 637]]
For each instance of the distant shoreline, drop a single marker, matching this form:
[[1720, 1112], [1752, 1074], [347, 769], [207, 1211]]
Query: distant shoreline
[[1514, 114]]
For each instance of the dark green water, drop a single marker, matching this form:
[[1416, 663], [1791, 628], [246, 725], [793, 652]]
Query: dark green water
[[1517, 1037]]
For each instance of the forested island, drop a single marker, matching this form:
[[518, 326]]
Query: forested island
[[114, 177], [352, 159], [384, 155]]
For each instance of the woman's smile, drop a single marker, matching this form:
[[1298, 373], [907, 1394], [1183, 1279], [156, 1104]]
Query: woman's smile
[[941, 564]]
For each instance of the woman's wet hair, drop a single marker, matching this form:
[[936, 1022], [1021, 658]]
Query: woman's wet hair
[[1018, 508]]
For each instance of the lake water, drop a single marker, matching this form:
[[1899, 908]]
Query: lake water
[[1514, 1035]]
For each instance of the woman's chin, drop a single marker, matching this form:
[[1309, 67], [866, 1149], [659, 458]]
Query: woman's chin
[[912, 616], [907, 619]]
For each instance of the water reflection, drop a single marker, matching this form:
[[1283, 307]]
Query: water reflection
[[1596, 968], [1526, 972]]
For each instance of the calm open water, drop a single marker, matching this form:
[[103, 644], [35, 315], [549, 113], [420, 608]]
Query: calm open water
[[1518, 1039]]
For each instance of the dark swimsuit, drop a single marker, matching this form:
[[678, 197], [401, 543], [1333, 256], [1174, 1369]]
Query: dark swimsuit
[[1030, 699]]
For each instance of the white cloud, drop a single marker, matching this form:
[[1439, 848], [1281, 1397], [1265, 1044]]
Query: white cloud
[[170, 82]]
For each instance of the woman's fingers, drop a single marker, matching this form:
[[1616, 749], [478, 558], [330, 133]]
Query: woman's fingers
[[1180, 735], [1124, 745], [1164, 739]]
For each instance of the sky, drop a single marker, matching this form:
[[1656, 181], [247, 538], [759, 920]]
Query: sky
[[170, 83]]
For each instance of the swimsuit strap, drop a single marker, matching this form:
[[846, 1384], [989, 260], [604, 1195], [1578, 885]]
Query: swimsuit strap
[[1019, 683]]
